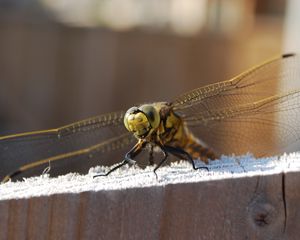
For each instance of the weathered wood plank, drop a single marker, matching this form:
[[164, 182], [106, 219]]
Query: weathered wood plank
[[261, 203]]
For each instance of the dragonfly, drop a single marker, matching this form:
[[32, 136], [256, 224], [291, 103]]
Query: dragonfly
[[256, 111]]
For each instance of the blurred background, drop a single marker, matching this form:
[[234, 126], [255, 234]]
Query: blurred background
[[63, 61]]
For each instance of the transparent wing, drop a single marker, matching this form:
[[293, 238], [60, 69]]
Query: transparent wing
[[255, 84], [245, 114], [78, 146]]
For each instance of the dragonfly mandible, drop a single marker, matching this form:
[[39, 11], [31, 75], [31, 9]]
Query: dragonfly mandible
[[254, 112]]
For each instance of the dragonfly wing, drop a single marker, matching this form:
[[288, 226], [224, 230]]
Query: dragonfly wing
[[243, 114], [257, 83], [100, 139], [265, 127]]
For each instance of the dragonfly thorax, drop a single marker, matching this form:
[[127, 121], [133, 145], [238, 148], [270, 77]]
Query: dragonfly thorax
[[141, 121]]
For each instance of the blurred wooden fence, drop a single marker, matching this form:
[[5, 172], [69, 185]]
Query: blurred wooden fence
[[51, 74]]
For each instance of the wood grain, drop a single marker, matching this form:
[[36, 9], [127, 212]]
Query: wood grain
[[258, 207]]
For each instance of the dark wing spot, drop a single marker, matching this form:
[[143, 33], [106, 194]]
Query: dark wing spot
[[288, 55]]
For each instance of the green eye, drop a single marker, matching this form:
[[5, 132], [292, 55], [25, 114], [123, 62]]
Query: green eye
[[129, 117], [141, 120], [152, 114]]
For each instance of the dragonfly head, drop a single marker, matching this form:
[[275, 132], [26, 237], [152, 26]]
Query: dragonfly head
[[141, 120]]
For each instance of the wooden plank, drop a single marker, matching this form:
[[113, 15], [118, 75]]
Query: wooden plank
[[244, 199]]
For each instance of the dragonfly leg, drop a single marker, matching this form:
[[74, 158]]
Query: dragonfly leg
[[178, 152], [161, 162], [124, 162], [127, 160], [151, 157]]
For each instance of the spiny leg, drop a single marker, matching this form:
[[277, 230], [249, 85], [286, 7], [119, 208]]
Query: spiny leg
[[128, 159], [178, 152]]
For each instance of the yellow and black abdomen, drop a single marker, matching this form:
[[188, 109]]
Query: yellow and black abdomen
[[196, 149]]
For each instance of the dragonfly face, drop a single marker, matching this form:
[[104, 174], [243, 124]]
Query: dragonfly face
[[248, 113], [142, 120]]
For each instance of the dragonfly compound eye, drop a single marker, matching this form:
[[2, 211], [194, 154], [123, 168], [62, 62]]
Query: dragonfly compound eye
[[137, 122], [141, 120], [152, 114]]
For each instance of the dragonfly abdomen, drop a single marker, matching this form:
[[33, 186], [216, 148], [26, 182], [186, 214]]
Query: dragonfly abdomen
[[197, 150]]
